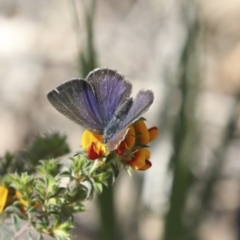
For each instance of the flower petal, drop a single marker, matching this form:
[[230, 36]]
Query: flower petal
[[93, 144], [138, 162], [153, 133], [141, 129], [148, 164], [89, 137], [95, 150], [129, 140], [19, 197], [3, 198]]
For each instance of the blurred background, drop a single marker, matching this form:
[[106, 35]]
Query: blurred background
[[188, 52]]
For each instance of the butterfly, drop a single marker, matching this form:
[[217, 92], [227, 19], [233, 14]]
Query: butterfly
[[101, 103]]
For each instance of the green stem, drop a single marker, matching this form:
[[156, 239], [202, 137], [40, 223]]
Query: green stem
[[107, 213], [94, 166]]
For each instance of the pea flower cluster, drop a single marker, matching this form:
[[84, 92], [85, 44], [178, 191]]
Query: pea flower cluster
[[132, 151]]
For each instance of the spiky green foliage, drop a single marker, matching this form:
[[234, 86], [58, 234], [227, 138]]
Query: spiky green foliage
[[48, 199], [52, 145]]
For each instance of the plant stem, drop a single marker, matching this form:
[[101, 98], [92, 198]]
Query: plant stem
[[22, 231]]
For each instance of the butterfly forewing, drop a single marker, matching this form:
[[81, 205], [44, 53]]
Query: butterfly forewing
[[111, 89], [75, 99]]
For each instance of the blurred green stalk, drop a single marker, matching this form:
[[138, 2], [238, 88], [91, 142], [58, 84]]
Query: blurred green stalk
[[108, 229], [185, 137], [214, 172], [88, 62], [182, 223]]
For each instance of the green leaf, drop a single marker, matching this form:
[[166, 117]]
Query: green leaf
[[30, 236], [15, 220], [5, 232], [62, 231], [50, 167], [48, 146], [79, 208], [56, 219], [16, 210], [40, 237], [98, 187], [65, 173]]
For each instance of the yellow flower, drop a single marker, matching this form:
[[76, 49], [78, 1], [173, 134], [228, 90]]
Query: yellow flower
[[140, 158], [19, 197], [3, 198], [8, 195], [132, 149], [145, 135], [93, 144], [24, 203], [128, 142]]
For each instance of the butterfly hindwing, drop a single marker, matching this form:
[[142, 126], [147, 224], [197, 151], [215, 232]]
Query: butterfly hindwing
[[117, 138], [141, 104]]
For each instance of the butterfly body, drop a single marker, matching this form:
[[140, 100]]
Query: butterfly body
[[101, 103]]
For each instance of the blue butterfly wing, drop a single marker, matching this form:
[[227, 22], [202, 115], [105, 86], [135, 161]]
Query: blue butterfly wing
[[76, 100], [111, 90], [141, 104]]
